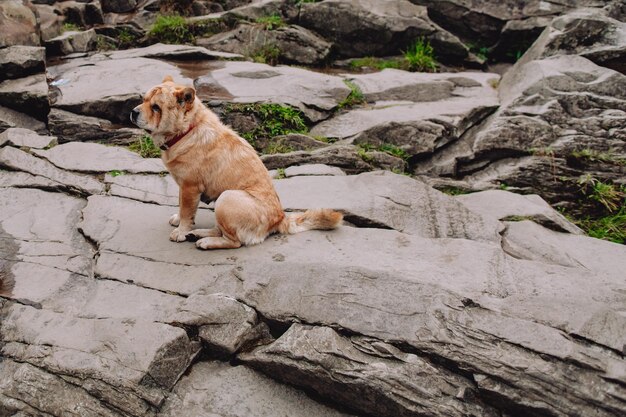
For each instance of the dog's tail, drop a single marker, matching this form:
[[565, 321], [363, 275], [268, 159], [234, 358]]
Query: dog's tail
[[314, 219]]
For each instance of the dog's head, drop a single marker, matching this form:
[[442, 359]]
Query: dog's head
[[165, 109]]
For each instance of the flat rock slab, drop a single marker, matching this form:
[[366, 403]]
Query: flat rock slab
[[504, 205], [216, 389], [93, 157], [148, 188], [18, 160], [24, 137], [18, 61], [27, 95], [163, 51], [99, 86], [313, 93], [11, 118]]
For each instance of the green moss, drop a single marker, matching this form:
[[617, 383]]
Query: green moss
[[364, 154], [611, 227], [394, 150], [145, 147], [354, 98], [271, 22], [280, 174], [274, 120], [266, 54], [116, 173], [70, 27], [172, 29], [420, 57], [277, 147], [377, 63]]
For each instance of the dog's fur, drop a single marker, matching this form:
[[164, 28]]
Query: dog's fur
[[212, 161]]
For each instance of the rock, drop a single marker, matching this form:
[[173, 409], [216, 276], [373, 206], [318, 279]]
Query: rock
[[490, 304], [19, 24], [264, 8], [71, 42], [94, 157], [50, 21], [98, 86], [148, 188], [225, 325], [174, 52], [585, 32], [118, 6], [293, 44], [504, 205], [14, 159], [298, 142], [82, 14], [70, 127], [28, 95], [417, 112], [396, 197], [314, 93], [213, 388], [20, 61], [19, 137], [549, 112], [516, 37], [366, 374], [345, 157], [368, 27], [11, 118], [25, 180], [313, 169]]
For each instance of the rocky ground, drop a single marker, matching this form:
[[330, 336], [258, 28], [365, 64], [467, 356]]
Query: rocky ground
[[475, 301]]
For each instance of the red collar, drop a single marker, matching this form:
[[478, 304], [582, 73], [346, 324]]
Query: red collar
[[167, 145]]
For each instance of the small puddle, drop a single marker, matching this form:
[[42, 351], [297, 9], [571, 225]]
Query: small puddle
[[196, 69]]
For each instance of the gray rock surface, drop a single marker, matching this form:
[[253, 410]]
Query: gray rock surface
[[94, 157], [27, 95], [72, 42], [369, 27], [19, 23], [10, 118], [19, 137], [70, 127], [20, 61]]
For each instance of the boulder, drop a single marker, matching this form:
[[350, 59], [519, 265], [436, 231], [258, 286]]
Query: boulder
[[70, 127], [71, 42], [82, 14], [585, 32], [549, 113], [374, 28], [19, 24], [368, 375], [314, 93], [118, 6], [20, 137], [20, 61], [10, 118], [50, 21], [215, 389], [17, 160], [28, 95], [254, 10], [293, 44], [94, 157]]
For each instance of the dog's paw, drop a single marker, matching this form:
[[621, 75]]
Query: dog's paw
[[175, 220], [178, 235]]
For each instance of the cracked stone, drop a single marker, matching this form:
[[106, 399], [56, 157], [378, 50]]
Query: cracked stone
[[19, 137]]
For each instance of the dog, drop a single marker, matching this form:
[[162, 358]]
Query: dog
[[208, 160]]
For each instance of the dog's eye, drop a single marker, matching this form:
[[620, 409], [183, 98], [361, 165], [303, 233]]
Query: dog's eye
[[156, 108]]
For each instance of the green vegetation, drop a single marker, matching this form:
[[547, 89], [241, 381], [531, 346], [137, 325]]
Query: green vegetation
[[171, 29], [116, 173], [325, 139], [453, 191], [280, 174], [611, 227], [394, 150], [277, 147], [145, 147], [354, 98], [482, 52], [274, 120], [377, 63], [271, 22], [104, 44], [364, 154], [420, 57], [595, 156], [267, 54], [70, 27], [125, 37]]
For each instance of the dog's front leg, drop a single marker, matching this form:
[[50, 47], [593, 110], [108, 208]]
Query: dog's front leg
[[188, 199]]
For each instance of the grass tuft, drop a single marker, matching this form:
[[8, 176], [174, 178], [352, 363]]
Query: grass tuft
[[420, 57], [266, 54], [172, 29], [145, 147], [354, 98], [271, 22]]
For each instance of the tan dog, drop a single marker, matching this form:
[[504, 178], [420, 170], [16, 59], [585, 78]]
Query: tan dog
[[207, 158]]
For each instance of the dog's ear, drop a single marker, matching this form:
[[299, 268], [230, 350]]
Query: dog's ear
[[168, 78], [185, 97]]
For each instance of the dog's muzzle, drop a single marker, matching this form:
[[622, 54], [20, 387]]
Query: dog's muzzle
[[133, 115]]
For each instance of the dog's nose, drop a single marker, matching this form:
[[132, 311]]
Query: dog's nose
[[133, 115]]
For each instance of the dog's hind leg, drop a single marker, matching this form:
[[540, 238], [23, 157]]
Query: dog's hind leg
[[217, 243]]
